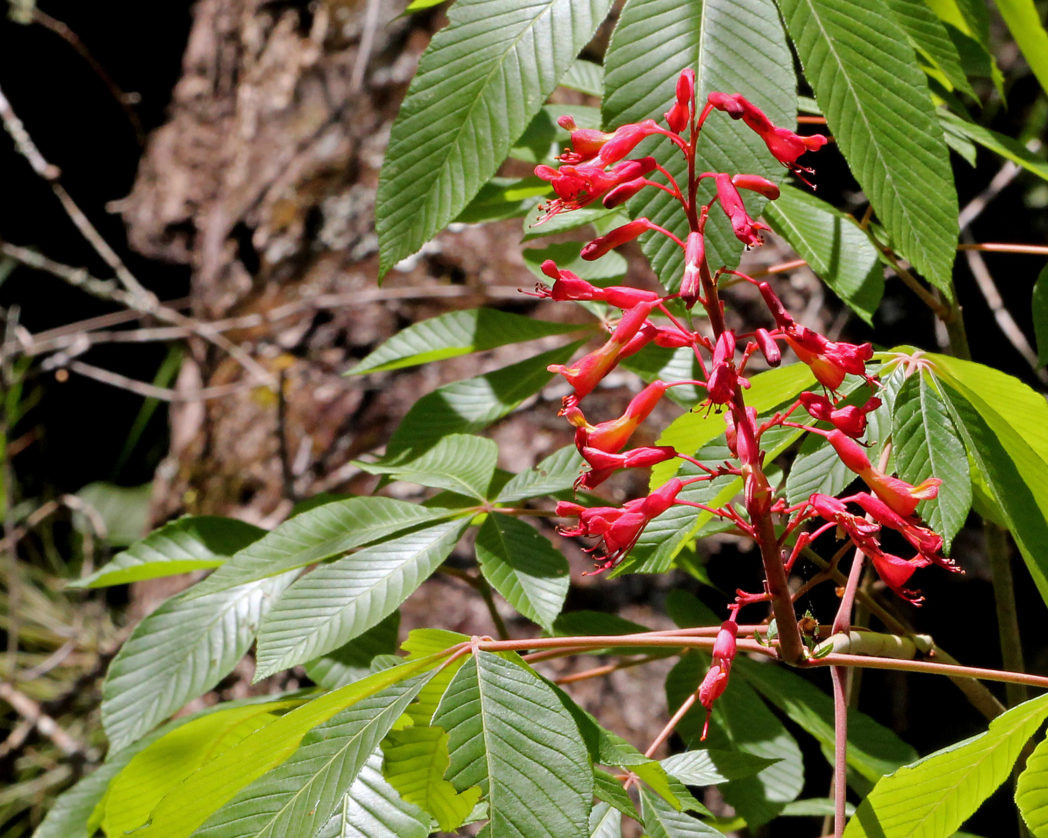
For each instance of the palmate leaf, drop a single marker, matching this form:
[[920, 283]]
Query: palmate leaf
[[336, 602], [178, 652], [215, 783], [472, 404], [460, 463], [1031, 791], [833, 246], [318, 534], [935, 795], [373, 809], [928, 445], [876, 101], [299, 796], [479, 83], [191, 543], [454, 334], [510, 734], [416, 759], [522, 565], [735, 46]]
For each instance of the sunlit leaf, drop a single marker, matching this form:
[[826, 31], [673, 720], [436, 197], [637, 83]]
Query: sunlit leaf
[[352, 661], [935, 795], [1031, 791], [460, 463]]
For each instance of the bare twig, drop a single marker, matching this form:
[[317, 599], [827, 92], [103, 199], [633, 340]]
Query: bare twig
[[31, 712]]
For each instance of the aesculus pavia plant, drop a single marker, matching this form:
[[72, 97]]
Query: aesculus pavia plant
[[789, 440]]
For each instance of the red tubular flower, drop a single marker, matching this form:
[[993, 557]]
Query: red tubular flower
[[746, 229], [585, 142], [569, 287], [617, 237], [695, 269], [612, 435], [829, 360], [784, 145], [756, 183], [677, 116], [622, 193], [923, 540], [618, 527], [724, 378], [626, 138], [716, 680], [894, 570], [603, 464], [768, 347], [585, 373], [901, 496], [850, 419], [577, 186]]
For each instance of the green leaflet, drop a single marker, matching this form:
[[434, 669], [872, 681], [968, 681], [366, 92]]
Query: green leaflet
[[336, 602], [554, 474], [1040, 315], [516, 764], [733, 46], [522, 565], [220, 780], [299, 796], [460, 463], [877, 104], [191, 543], [1031, 791], [318, 534], [663, 821], [416, 759], [928, 445], [352, 661], [935, 795], [179, 652], [1025, 23], [479, 83], [834, 247], [930, 37], [472, 404], [373, 809], [1007, 147], [454, 334]]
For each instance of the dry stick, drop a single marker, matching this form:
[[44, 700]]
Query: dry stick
[[30, 711], [139, 297], [606, 669]]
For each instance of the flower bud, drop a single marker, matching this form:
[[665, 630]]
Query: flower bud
[[619, 236], [768, 347], [756, 183], [622, 193]]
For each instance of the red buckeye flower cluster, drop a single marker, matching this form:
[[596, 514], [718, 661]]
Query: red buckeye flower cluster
[[597, 166]]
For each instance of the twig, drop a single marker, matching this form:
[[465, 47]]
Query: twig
[[606, 669], [1004, 600], [151, 391], [367, 42], [31, 711]]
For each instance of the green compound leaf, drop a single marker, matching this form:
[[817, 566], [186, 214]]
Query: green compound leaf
[[471, 405], [877, 104], [416, 759], [315, 535], [1031, 791], [833, 246], [663, 821], [454, 334], [179, 652], [191, 543], [373, 809], [352, 661], [218, 781], [935, 795], [479, 83], [338, 601], [1004, 425], [460, 463], [510, 735], [735, 46], [522, 565], [299, 796], [928, 445]]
